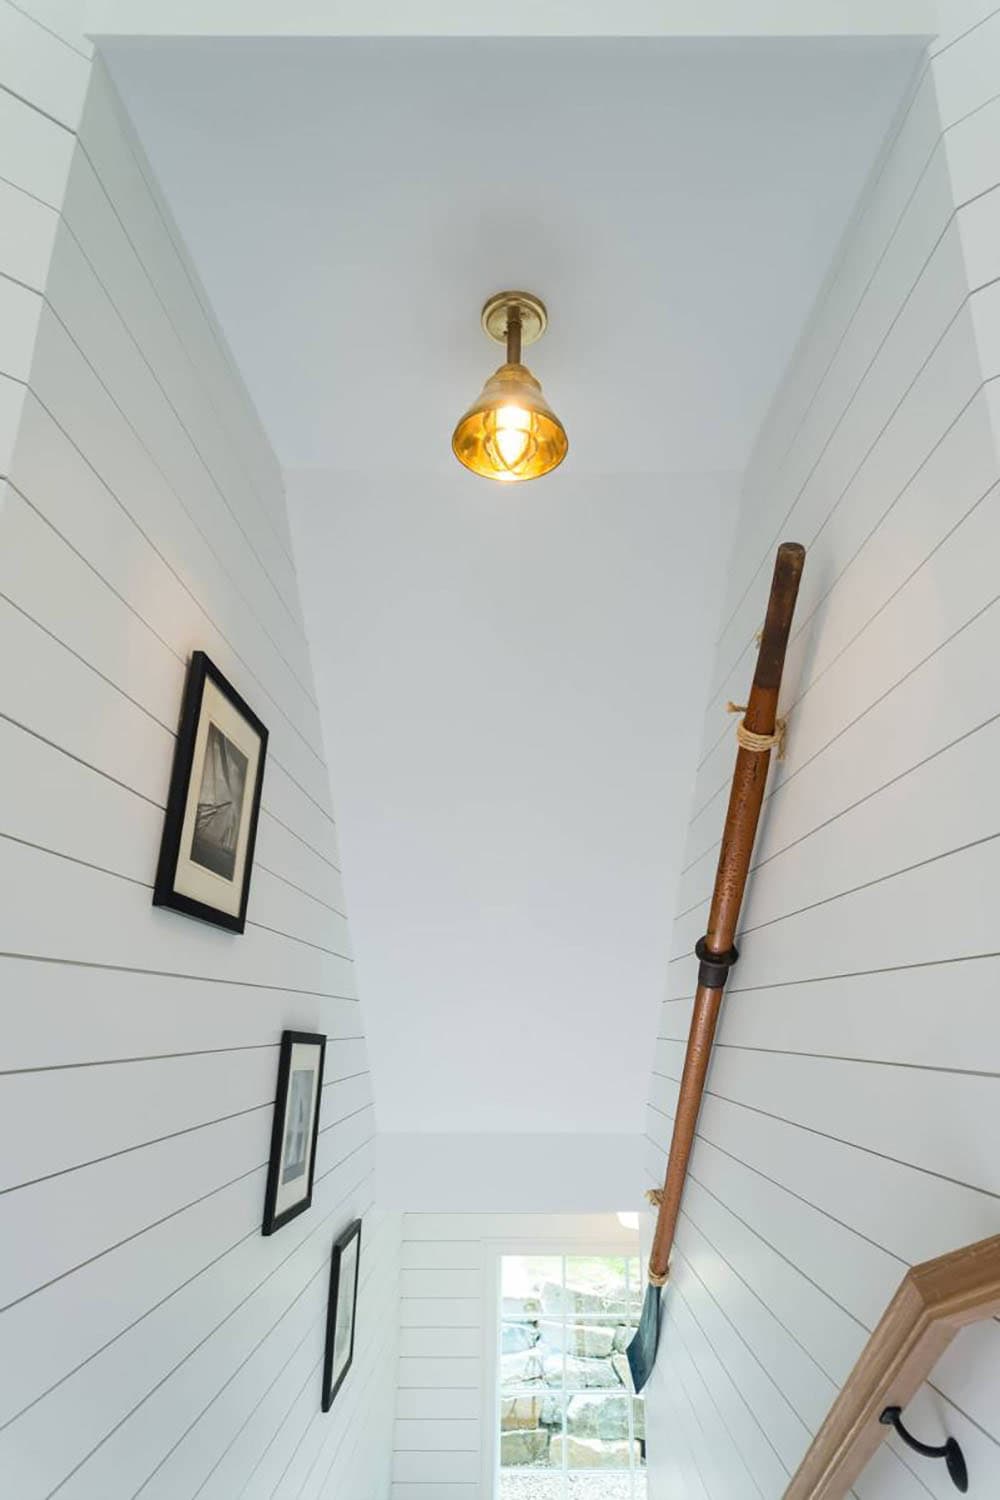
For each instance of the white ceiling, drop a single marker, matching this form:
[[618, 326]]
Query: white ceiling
[[350, 204], [512, 684], [510, 679]]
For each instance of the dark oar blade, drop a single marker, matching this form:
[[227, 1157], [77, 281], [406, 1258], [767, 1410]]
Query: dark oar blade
[[642, 1350]]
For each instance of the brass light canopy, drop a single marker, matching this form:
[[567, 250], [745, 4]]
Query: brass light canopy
[[510, 431]]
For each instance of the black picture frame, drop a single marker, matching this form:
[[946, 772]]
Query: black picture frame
[[341, 1246], [201, 672], [276, 1217]]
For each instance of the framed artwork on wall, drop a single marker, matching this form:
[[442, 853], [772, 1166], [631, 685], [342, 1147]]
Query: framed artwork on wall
[[206, 853], [295, 1129], [341, 1311]]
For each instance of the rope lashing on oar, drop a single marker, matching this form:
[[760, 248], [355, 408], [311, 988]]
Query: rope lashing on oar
[[757, 743], [654, 1197]]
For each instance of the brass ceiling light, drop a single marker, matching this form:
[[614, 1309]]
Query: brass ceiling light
[[510, 431]]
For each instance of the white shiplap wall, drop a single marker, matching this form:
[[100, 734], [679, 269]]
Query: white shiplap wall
[[447, 1339], [154, 1343], [852, 1110]]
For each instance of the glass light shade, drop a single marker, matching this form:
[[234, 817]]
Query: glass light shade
[[510, 432]]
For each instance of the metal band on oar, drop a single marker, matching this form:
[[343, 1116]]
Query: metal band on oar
[[758, 733]]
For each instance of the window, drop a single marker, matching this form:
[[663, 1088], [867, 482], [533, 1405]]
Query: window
[[569, 1427]]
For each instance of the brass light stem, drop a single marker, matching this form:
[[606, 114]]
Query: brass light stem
[[514, 335]]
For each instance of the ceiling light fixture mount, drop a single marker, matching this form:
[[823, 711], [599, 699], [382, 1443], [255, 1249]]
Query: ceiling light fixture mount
[[510, 432]]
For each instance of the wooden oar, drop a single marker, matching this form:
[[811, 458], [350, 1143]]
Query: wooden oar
[[716, 953]]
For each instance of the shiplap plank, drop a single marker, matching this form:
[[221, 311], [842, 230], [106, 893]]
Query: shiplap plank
[[877, 836], [445, 1255], [92, 321], [414, 1490], [35, 152], [40, 67], [256, 1278], [420, 1372], [91, 215], [965, 75], [444, 1403], [895, 1110], [894, 181], [66, 385], [873, 234], [865, 1016], [440, 1312], [20, 313], [783, 1429], [718, 1457], [448, 1282], [234, 1309], [899, 1208], [924, 374], [432, 1435], [727, 1398], [304, 1454], [58, 484], [901, 541], [27, 234], [439, 1343], [858, 1275], [119, 1106], [810, 1350], [63, 17], [442, 1468], [118, 160], [110, 921], [12, 397], [972, 160], [52, 591], [76, 1016]]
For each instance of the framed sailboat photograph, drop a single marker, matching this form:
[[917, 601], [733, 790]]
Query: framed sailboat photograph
[[210, 827], [292, 1163], [342, 1311]]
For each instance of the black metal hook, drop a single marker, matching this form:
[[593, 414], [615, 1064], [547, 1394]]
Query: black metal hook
[[950, 1451]]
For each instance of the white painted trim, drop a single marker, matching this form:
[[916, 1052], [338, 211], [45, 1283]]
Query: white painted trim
[[387, 18]]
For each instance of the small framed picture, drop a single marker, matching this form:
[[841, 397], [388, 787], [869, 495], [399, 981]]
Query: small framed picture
[[206, 854], [295, 1128], [341, 1312]]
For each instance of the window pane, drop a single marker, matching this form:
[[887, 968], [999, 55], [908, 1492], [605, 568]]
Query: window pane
[[594, 1284], [636, 1285], [517, 1338], [530, 1426], [639, 1422], [522, 1278], [597, 1415], [595, 1339], [519, 1366], [590, 1374], [600, 1487], [595, 1453], [532, 1484]]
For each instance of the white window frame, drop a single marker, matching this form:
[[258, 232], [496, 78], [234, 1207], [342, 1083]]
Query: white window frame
[[493, 1252]]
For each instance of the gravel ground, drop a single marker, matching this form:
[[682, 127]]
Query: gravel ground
[[535, 1485]]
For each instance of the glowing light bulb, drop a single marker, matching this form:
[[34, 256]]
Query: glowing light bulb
[[513, 434], [628, 1220]]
